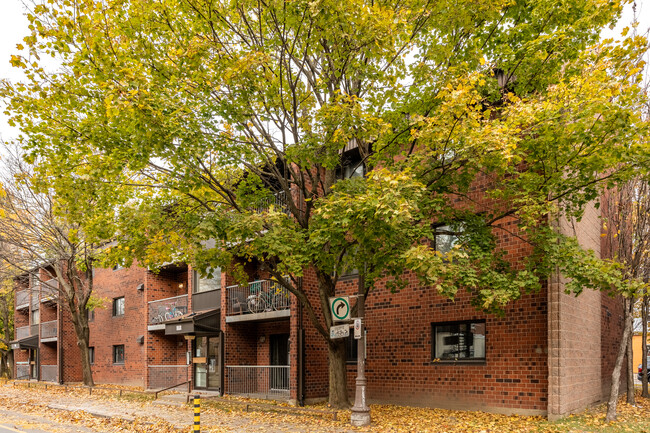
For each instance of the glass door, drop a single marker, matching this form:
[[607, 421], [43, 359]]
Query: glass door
[[207, 363], [199, 360], [214, 363]]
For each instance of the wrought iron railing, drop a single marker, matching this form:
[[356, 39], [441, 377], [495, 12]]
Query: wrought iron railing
[[258, 380], [22, 332], [22, 299], [167, 309], [50, 290], [49, 373], [257, 297], [278, 200], [48, 329], [163, 376]]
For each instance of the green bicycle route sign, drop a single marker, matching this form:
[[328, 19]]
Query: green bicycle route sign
[[340, 307]]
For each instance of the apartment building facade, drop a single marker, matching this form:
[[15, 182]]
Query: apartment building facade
[[549, 354]]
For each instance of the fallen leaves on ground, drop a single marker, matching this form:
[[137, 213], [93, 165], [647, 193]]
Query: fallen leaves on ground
[[229, 414]]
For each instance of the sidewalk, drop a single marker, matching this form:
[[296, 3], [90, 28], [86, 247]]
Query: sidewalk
[[105, 411], [102, 411]]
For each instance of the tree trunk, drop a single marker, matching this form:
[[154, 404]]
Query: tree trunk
[[338, 375], [644, 347], [630, 368], [616, 374], [10, 363], [80, 322]]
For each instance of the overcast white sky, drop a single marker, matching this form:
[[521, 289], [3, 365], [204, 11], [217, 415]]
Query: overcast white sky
[[13, 27]]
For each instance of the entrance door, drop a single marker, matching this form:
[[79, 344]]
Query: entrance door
[[33, 365], [279, 351], [207, 363]]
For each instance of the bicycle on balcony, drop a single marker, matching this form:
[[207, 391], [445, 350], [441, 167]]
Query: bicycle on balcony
[[274, 298]]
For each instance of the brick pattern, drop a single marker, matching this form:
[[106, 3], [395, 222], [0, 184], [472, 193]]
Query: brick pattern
[[107, 331], [581, 338]]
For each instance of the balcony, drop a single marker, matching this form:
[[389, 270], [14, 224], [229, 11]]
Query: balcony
[[278, 200], [48, 331], [49, 373], [259, 381], [22, 299], [166, 309], [257, 301], [22, 332], [50, 290]]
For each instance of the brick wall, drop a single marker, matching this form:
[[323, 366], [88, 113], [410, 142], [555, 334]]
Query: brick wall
[[578, 349], [107, 331]]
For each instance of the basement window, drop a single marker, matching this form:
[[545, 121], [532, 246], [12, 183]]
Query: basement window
[[91, 355], [458, 341]]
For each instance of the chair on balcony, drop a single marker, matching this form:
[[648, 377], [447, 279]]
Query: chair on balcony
[[239, 305]]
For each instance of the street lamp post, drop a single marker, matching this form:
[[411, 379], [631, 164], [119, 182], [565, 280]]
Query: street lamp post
[[360, 411]]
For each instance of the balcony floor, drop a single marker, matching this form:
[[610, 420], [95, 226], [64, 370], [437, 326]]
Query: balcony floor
[[258, 317]]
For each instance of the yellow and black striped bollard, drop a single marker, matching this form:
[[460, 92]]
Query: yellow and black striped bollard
[[197, 414]]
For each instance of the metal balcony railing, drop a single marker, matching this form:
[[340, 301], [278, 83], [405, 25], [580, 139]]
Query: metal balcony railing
[[50, 290], [256, 297], [22, 332], [22, 370], [33, 329], [167, 309], [22, 299], [278, 200], [49, 373], [48, 329], [163, 376], [261, 381]]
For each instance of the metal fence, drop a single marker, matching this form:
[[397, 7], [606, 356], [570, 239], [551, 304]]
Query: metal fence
[[162, 376], [48, 329], [22, 332], [167, 309], [256, 297], [22, 370], [50, 290], [33, 329], [278, 200], [22, 299], [49, 373], [262, 381]]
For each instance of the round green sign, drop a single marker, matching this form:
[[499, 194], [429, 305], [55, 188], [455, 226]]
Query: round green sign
[[340, 308]]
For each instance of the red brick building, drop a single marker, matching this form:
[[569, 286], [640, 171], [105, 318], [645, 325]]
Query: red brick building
[[550, 354]]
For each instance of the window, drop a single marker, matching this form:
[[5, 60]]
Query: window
[[211, 282], [444, 239], [118, 307], [36, 317], [117, 267], [91, 315], [118, 354], [458, 340], [352, 348], [352, 165], [91, 355]]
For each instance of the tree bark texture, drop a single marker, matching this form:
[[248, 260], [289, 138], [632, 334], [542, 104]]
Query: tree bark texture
[[338, 397], [616, 373], [630, 368]]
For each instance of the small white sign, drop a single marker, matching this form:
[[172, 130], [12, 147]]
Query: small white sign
[[179, 327], [357, 329], [339, 331], [340, 307]]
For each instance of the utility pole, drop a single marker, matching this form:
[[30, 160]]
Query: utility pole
[[360, 411]]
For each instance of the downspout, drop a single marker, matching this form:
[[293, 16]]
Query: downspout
[[59, 344], [301, 355]]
